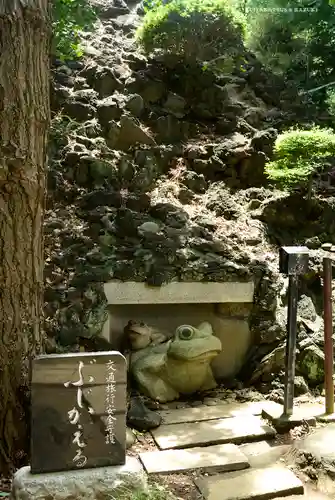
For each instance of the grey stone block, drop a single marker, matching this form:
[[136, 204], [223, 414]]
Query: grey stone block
[[87, 484]]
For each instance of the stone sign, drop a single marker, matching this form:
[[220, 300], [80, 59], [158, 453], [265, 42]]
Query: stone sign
[[78, 406]]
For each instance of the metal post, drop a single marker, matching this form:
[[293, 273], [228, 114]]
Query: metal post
[[328, 331], [291, 344]]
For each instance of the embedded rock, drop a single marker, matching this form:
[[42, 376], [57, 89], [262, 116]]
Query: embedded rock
[[108, 109], [130, 438], [271, 364], [102, 79], [113, 11], [135, 104], [131, 133], [306, 309], [78, 111], [264, 140], [300, 385], [175, 105], [312, 364], [142, 418]]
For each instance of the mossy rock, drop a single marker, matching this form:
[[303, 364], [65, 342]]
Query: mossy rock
[[312, 364]]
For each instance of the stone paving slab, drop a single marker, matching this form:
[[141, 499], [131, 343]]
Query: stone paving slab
[[222, 410], [225, 430], [312, 496], [326, 418], [222, 457], [308, 412], [255, 449], [253, 484], [320, 444], [262, 454]]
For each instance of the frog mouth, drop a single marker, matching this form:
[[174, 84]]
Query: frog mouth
[[204, 356], [138, 330]]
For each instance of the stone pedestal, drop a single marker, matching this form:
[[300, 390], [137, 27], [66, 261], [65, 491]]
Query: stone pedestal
[[87, 484]]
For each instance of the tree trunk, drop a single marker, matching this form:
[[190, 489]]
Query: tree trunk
[[24, 122]]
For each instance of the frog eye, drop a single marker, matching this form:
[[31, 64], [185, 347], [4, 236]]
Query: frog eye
[[185, 332]]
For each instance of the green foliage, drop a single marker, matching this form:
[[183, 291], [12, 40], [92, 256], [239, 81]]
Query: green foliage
[[194, 30], [70, 17], [155, 492], [294, 39], [330, 101], [299, 154]]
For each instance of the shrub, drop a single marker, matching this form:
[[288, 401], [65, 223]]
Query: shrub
[[330, 102], [69, 18], [271, 38], [195, 30], [299, 155]]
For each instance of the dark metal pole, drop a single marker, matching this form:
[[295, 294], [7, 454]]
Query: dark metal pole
[[291, 344], [328, 332]]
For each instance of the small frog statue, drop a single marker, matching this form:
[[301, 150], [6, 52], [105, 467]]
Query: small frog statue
[[141, 335], [165, 369]]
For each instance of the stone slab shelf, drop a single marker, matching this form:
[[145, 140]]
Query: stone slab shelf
[[120, 293]]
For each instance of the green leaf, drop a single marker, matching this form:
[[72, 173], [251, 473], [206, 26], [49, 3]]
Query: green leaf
[[70, 17], [299, 155]]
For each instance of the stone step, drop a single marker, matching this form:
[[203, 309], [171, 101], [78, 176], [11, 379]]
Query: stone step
[[222, 457], [305, 412], [262, 454], [305, 496], [226, 430], [253, 484], [221, 410]]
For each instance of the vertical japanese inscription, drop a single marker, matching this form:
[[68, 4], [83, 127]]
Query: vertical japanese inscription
[[74, 415], [110, 402], [78, 411]]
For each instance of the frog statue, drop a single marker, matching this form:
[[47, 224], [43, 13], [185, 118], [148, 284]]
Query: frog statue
[[166, 368]]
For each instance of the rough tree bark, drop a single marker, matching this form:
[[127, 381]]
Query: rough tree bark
[[24, 121]]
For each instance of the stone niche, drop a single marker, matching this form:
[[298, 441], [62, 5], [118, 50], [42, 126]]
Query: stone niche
[[225, 305]]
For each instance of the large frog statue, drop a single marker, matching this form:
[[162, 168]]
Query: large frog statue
[[165, 370]]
